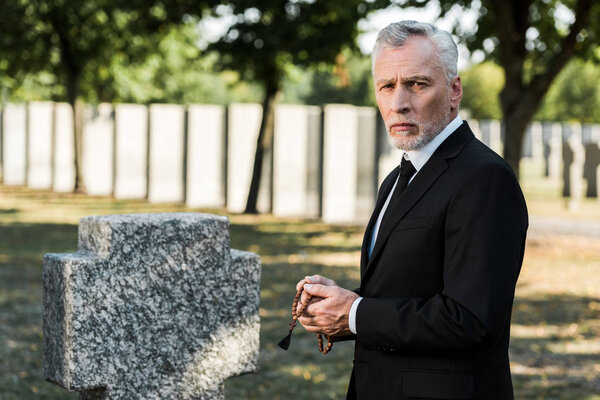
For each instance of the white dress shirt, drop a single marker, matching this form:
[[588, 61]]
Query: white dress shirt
[[418, 158]]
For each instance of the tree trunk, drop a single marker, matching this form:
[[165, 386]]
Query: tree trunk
[[518, 108], [520, 99], [264, 144], [78, 109], [514, 128]]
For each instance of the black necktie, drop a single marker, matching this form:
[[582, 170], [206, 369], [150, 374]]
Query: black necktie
[[407, 170]]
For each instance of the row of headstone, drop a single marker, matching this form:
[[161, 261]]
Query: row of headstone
[[201, 154], [129, 151], [325, 162]]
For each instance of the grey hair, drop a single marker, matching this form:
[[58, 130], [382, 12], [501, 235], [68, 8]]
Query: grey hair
[[396, 34]]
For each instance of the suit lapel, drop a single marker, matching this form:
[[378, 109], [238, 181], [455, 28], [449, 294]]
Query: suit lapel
[[420, 184]]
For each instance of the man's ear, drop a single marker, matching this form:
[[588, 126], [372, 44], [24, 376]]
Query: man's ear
[[456, 92]]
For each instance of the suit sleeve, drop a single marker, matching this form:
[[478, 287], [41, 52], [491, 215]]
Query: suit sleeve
[[485, 228]]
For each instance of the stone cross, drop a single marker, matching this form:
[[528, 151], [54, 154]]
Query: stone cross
[[553, 153], [592, 159], [574, 160], [151, 306]]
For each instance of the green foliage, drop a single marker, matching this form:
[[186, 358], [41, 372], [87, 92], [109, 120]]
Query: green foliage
[[539, 30], [349, 81], [268, 35], [176, 73], [77, 41], [482, 84], [575, 95]]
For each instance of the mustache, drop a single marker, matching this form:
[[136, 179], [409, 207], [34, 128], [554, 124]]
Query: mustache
[[397, 120]]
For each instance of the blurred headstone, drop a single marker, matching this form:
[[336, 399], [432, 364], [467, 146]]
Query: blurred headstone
[[297, 162], [206, 156], [574, 159], [243, 127], [131, 151], [167, 152], [39, 144], [591, 139], [349, 169], [388, 156], [491, 134], [14, 148], [98, 150], [64, 150], [533, 146], [553, 153], [151, 306], [474, 125]]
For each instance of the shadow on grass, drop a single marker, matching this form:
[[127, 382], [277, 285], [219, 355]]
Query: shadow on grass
[[37, 239], [554, 347], [553, 355], [272, 239], [301, 372], [555, 309]]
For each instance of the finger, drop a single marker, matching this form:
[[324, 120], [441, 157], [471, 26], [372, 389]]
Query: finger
[[300, 284], [320, 280], [304, 301], [320, 290], [310, 324]]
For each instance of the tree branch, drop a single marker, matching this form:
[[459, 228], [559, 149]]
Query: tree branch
[[541, 82]]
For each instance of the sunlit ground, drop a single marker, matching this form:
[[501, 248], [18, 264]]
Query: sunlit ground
[[555, 347]]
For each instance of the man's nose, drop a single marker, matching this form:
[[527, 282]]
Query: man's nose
[[401, 101]]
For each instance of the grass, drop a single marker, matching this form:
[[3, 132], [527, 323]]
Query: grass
[[555, 347]]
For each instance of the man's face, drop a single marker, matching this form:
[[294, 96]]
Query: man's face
[[412, 93]]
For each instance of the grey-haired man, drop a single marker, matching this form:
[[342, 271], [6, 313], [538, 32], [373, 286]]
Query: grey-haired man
[[443, 249]]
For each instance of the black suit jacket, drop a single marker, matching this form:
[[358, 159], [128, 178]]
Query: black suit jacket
[[438, 288]]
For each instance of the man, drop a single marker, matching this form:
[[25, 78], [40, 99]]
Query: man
[[440, 258]]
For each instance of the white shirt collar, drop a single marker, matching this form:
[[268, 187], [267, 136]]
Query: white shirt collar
[[420, 156]]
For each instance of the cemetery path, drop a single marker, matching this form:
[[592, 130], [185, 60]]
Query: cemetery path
[[543, 225]]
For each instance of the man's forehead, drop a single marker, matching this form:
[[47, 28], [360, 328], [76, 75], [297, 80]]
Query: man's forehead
[[416, 57]]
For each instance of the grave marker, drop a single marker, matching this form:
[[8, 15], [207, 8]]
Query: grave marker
[[574, 159], [151, 306], [243, 129], [14, 146], [591, 141], [97, 162], [39, 144], [64, 152], [297, 163], [206, 156], [349, 170], [131, 136]]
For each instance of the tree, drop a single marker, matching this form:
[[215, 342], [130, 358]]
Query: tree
[[482, 84], [574, 95], [348, 81], [532, 40], [269, 35], [75, 41]]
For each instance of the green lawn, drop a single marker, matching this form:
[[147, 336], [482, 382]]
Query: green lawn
[[555, 348]]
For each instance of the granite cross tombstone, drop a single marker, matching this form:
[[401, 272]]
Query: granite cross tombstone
[[151, 306]]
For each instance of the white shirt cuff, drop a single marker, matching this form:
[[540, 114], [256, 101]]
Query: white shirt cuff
[[352, 316]]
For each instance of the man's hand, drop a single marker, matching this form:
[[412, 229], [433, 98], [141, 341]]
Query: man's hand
[[316, 279], [328, 310]]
